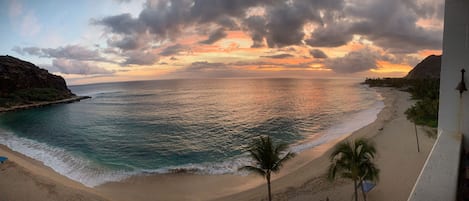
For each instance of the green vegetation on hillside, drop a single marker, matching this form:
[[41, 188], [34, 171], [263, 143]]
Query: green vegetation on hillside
[[33, 95], [425, 91]]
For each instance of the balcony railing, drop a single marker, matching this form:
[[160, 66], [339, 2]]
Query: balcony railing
[[438, 180]]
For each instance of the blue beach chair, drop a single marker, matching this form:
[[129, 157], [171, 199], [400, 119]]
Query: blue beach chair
[[3, 159], [368, 186]]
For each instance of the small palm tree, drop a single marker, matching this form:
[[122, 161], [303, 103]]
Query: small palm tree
[[267, 158], [353, 160]]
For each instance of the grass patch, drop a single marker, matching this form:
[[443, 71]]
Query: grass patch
[[33, 95]]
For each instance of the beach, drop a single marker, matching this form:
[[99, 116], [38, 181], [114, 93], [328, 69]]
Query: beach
[[302, 178]]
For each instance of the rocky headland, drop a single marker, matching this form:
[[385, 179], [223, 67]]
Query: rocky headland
[[24, 85]]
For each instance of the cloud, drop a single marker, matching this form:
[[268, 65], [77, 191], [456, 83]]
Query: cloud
[[330, 36], [204, 69], [129, 42], [166, 20], [204, 11], [15, 9], [318, 54], [353, 62], [263, 64], [215, 36], [72, 52], [256, 26], [228, 23], [391, 25], [27, 50], [285, 25], [122, 1], [279, 56], [123, 24], [68, 66], [173, 50], [66, 52], [139, 58]]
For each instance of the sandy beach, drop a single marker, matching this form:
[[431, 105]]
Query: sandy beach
[[302, 178]]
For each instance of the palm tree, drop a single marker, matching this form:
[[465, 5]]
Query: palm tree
[[353, 160], [267, 158]]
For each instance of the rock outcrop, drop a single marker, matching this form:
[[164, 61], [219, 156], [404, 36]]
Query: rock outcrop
[[16, 75], [430, 67]]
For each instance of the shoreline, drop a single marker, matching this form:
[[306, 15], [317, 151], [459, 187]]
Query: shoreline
[[43, 104], [305, 169]]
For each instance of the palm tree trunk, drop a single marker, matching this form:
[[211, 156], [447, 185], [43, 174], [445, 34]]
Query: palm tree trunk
[[268, 185], [363, 190], [355, 189], [417, 137]]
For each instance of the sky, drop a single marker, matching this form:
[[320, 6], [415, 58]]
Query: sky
[[93, 41]]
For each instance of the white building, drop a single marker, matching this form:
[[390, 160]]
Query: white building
[[438, 180]]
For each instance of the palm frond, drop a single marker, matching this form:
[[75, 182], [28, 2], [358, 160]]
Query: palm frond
[[267, 155], [281, 161], [354, 160]]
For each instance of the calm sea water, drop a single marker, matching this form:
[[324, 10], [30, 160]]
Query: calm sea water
[[201, 126]]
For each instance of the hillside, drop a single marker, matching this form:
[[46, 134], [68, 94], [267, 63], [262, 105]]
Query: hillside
[[23, 83], [428, 68]]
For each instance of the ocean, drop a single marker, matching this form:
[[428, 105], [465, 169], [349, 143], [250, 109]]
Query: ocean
[[198, 126]]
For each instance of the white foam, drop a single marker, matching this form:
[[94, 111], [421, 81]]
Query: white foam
[[348, 124], [73, 167]]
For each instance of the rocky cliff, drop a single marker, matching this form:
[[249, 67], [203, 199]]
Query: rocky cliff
[[22, 82], [428, 68]]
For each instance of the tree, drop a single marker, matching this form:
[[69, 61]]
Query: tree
[[267, 158], [354, 160], [412, 116]]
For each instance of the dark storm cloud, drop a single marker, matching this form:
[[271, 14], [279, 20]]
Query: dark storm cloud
[[165, 19], [215, 36], [123, 23], [330, 36], [68, 52], [318, 54], [205, 11], [130, 42], [391, 25], [353, 62], [68, 66], [286, 21], [256, 27], [228, 23], [279, 56]]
